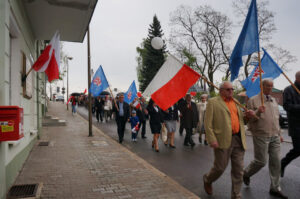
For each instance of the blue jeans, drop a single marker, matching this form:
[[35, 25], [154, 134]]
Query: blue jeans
[[73, 108]]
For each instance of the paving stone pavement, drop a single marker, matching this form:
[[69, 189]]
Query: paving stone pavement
[[77, 166]]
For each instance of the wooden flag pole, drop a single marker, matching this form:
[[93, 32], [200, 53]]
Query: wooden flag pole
[[25, 76], [237, 103], [113, 98], [291, 82], [260, 80]]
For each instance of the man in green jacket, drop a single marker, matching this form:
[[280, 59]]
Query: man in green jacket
[[225, 132]]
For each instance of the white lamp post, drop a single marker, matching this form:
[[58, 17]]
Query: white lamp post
[[157, 43]]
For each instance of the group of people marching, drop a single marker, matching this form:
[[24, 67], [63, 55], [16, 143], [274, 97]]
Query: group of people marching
[[223, 123], [191, 117]]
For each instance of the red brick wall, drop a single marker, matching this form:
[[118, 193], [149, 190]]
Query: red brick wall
[[278, 97]]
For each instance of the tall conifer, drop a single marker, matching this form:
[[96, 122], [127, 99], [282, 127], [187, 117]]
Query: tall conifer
[[151, 59]]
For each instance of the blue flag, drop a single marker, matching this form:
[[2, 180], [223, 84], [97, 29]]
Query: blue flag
[[270, 69], [99, 82], [248, 41], [131, 93]]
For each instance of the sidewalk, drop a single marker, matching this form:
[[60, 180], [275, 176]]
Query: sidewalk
[[77, 166]]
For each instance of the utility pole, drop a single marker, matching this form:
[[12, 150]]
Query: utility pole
[[67, 62], [89, 82]]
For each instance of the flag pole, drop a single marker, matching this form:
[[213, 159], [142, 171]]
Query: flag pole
[[291, 82], [25, 76], [113, 98], [260, 80]]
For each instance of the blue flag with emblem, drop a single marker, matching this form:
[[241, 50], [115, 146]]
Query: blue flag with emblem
[[270, 69], [247, 43], [131, 93], [99, 82]]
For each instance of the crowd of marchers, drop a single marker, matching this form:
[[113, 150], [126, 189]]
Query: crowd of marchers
[[220, 122]]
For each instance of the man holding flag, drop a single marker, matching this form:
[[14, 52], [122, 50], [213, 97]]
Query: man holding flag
[[266, 138], [291, 103], [121, 109]]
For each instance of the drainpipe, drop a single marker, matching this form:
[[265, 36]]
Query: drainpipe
[[37, 93]]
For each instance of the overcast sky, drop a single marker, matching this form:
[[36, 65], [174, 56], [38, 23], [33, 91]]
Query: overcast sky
[[118, 27]]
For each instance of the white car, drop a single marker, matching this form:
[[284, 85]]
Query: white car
[[60, 98]]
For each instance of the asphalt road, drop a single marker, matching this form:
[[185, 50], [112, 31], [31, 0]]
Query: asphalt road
[[187, 166]]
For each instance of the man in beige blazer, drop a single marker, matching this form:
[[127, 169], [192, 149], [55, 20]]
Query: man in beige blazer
[[225, 132]]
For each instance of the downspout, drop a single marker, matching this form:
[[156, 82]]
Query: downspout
[[37, 94]]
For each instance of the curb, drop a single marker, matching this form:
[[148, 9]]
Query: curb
[[145, 163]]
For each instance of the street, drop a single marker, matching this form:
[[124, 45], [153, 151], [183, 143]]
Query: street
[[187, 166]]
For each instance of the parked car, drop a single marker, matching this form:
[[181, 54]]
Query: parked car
[[283, 121], [60, 98]]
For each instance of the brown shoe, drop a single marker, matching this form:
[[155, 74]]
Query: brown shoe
[[278, 194], [207, 186]]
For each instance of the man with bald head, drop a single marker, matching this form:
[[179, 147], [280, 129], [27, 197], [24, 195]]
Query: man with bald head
[[225, 132], [266, 138], [291, 103]]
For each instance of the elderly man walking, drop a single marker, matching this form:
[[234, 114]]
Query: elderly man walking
[[189, 112], [291, 103], [225, 132], [266, 138]]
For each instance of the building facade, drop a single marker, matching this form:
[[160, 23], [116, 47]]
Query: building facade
[[24, 28], [18, 50]]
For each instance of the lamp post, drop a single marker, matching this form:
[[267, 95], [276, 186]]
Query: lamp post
[[67, 62], [89, 82]]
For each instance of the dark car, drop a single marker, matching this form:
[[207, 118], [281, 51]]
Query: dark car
[[283, 121]]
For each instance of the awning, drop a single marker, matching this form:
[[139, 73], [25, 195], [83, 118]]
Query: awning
[[70, 17]]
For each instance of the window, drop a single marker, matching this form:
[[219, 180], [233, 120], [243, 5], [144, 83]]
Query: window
[[27, 84]]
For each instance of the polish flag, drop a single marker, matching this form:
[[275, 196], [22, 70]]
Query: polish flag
[[171, 83], [136, 104], [49, 60]]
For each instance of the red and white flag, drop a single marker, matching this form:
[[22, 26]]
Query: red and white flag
[[49, 60], [136, 104], [171, 83]]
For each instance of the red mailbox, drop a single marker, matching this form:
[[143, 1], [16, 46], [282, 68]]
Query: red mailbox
[[11, 123]]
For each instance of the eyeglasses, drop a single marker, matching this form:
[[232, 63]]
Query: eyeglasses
[[228, 89]]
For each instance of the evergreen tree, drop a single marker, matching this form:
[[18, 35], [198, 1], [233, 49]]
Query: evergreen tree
[[150, 60]]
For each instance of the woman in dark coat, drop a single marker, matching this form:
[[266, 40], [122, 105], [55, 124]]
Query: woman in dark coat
[[170, 119], [156, 119]]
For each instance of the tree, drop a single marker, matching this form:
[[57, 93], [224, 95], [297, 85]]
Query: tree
[[149, 59], [266, 29], [204, 33]]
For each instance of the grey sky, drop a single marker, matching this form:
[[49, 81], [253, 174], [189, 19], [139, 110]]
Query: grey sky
[[118, 27]]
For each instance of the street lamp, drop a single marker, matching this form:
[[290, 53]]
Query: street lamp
[[67, 62]]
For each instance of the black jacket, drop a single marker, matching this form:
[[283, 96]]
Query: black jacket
[[125, 109], [190, 116], [155, 117], [291, 103], [173, 114], [99, 104]]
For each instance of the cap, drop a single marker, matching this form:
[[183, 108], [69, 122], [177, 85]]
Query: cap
[[133, 112]]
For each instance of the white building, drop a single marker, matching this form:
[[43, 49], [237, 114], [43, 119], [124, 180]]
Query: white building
[[24, 27]]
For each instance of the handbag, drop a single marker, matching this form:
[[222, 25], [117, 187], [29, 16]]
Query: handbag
[[164, 133]]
